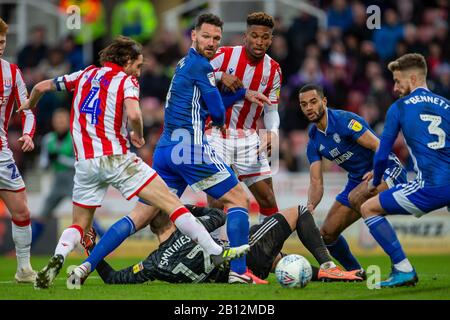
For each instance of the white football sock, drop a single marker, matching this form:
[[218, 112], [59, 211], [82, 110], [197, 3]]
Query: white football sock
[[22, 241], [327, 265], [191, 227], [67, 242], [404, 266]]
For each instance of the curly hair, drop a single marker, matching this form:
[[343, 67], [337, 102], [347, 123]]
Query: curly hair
[[120, 51], [409, 61], [260, 19]]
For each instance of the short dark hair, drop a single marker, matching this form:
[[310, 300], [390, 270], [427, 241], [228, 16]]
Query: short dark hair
[[120, 51], [208, 18], [311, 87], [409, 61], [160, 223], [3, 27], [260, 19]]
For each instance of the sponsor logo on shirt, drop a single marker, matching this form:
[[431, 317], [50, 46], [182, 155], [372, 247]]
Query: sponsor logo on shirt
[[138, 267], [7, 82], [355, 125], [212, 79]]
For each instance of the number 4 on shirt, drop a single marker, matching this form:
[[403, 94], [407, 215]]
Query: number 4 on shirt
[[91, 105]]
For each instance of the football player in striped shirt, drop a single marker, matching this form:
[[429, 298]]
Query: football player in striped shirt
[[241, 147], [12, 187], [104, 99], [348, 140]]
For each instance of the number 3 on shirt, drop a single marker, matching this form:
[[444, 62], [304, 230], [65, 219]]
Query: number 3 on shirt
[[434, 129], [91, 105]]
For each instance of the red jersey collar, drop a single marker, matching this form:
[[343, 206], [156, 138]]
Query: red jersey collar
[[113, 66]]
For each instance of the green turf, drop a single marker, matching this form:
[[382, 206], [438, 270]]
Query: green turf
[[433, 273]]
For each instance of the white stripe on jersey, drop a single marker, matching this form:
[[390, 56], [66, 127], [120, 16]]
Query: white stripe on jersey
[[196, 120], [7, 93], [110, 113], [76, 131], [91, 128], [252, 114]]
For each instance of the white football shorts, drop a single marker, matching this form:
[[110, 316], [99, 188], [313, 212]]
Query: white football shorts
[[127, 173], [10, 178], [241, 153]]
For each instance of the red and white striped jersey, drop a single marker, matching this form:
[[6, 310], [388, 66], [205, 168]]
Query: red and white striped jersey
[[98, 117], [12, 89], [264, 76]]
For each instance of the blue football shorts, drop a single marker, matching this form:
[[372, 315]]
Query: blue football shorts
[[412, 198], [395, 174], [197, 166]]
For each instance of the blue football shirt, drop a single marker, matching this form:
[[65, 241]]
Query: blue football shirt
[[424, 119]]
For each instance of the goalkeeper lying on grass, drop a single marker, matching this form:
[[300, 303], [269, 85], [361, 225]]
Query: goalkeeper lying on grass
[[180, 260]]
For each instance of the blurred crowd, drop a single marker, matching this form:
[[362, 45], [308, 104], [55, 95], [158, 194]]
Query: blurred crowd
[[348, 59]]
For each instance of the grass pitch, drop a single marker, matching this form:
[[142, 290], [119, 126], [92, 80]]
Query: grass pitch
[[433, 271]]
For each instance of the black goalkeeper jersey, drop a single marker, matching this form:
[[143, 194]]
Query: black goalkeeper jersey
[[177, 260]]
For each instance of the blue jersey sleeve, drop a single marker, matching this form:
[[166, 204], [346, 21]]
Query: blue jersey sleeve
[[355, 126], [204, 80], [229, 97], [390, 132], [312, 153], [203, 76]]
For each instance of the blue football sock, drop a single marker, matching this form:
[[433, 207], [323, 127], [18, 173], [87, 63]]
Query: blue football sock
[[98, 228], [113, 237], [386, 237], [341, 252], [36, 231], [237, 231]]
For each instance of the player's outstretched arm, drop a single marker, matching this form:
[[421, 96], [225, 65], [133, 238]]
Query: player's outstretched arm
[[315, 191], [132, 275], [36, 93], [257, 97]]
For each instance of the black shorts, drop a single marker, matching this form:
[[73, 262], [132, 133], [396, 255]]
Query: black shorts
[[266, 241]]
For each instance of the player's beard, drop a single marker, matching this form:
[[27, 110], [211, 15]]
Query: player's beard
[[203, 52], [319, 114]]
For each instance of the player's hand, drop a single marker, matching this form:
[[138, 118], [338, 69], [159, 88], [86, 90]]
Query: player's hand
[[368, 176], [137, 141], [28, 144], [310, 208], [257, 97], [222, 128], [24, 106], [231, 82], [267, 141]]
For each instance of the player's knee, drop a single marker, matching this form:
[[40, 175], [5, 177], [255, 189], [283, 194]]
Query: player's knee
[[267, 201], [213, 203], [20, 212], [366, 209], [328, 236], [236, 197]]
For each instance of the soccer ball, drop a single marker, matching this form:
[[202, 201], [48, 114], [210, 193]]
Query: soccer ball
[[293, 271]]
